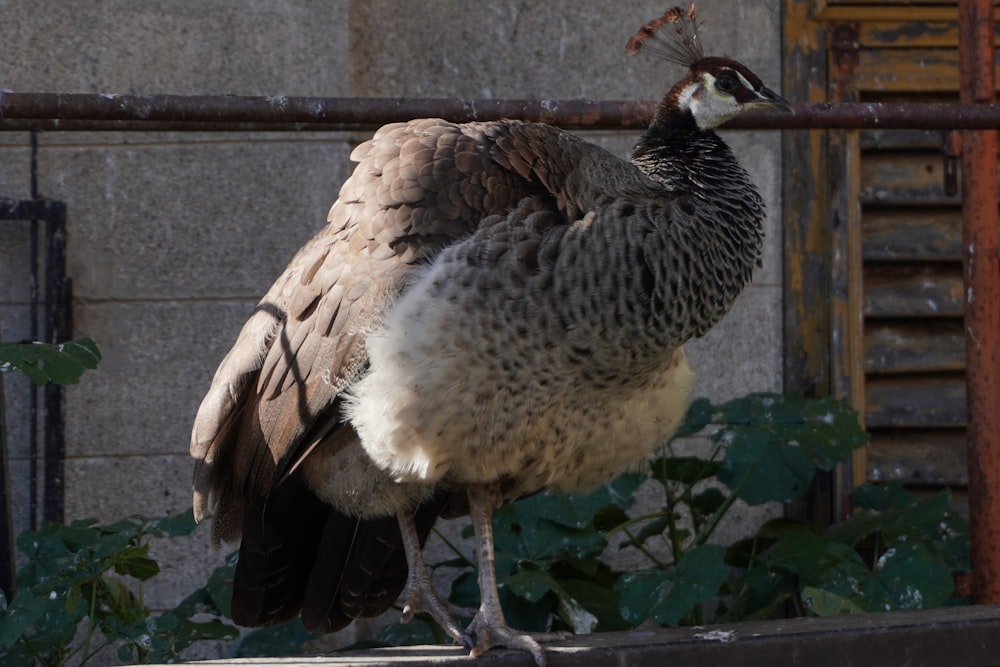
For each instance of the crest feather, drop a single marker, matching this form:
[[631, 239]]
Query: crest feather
[[673, 37]]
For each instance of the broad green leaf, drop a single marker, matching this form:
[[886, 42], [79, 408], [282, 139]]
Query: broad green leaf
[[24, 610], [525, 615], [579, 510], [775, 443], [524, 531], [813, 558], [601, 601], [683, 469], [285, 639], [929, 519], [668, 595], [762, 408], [465, 590], [708, 502], [532, 585], [699, 415], [905, 577], [417, 632], [762, 465], [878, 497], [177, 525], [134, 561], [62, 363], [608, 517], [825, 603]]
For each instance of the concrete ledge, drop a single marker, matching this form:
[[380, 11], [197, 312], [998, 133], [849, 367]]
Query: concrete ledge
[[952, 636]]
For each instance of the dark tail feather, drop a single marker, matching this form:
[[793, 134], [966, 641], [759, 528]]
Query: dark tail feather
[[374, 568], [277, 552], [299, 554]]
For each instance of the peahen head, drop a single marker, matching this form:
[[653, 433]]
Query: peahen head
[[714, 89]]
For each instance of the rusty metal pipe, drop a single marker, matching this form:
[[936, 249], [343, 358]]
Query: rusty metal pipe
[[342, 113], [85, 112], [981, 264]]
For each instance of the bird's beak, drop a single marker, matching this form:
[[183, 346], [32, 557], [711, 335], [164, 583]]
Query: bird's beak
[[768, 99]]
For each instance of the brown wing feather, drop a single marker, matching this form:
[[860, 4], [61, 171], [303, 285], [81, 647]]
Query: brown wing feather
[[418, 187]]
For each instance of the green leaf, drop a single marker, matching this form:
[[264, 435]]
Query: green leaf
[[135, 562], [929, 519], [579, 510], [669, 595], [465, 590], [24, 610], [178, 525], [762, 465], [683, 469], [62, 363], [415, 633], [775, 443], [708, 502], [905, 577], [825, 603], [600, 600], [532, 585], [285, 639], [698, 416], [878, 497], [813, 558], [608, 517]]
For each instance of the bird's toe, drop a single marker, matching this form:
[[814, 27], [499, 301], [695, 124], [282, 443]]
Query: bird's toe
[[490, 635]]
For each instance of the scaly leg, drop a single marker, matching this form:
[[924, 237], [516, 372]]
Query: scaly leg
[[419, 594], [489, 626]]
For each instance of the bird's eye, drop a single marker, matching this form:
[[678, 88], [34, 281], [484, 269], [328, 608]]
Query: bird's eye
[[726, 83]]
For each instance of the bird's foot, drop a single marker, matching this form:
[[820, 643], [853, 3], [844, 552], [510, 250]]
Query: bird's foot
[[421, 597], [490, 633]]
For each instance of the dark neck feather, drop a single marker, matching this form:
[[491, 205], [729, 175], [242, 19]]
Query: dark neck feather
[[719, 241]]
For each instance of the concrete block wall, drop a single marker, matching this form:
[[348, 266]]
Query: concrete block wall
[[174, 236]]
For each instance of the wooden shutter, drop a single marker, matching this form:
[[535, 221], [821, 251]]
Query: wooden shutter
[[894, 336]]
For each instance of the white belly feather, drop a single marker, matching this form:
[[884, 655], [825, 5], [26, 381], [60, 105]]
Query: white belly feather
[[455, 381]]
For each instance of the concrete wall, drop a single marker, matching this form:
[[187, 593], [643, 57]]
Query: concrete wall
[[173, 236]]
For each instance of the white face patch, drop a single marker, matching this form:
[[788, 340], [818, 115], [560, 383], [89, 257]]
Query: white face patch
[[709, 106]]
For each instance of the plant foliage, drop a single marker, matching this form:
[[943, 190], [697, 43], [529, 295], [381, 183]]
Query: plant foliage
[[61, 363], [898, 551], [80, 592]]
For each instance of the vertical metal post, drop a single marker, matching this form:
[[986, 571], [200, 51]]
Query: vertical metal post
[[981, 264], [57, 330]]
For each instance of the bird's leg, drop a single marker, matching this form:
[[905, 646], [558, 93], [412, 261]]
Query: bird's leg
[[489, 626], [419, 594]]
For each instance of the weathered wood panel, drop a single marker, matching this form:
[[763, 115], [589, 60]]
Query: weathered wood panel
[[903, 176], [907, 69], [805, 200], [913, 290], [918, 233], [906, 139], [921, 401], [934, 458], [914, 346], [908, 34]]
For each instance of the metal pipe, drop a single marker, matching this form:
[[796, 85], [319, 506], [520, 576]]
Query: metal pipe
[[343, 112], [981, 264], [85, 112]]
